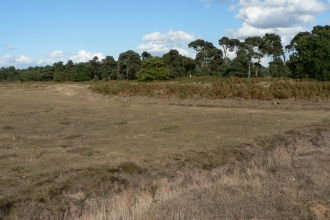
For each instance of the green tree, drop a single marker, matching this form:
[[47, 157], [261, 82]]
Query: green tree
[[81, 73], [93, 68], [273, 47], [153, 69], [215, 61], [129, 62], [61, 75], [242, 63], [175, 63], [310, 54], [228, 45], [203, 48], [145, 55], [256, 48], [108, 68]]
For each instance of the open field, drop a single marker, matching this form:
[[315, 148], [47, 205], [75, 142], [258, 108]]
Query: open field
[[66, 152]]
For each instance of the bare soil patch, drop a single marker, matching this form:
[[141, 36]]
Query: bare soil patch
[[70, 152]]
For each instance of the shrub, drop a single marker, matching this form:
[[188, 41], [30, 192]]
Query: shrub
[[153, 69]]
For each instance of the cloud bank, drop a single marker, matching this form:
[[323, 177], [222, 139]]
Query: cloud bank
[[283, 17], [160, 43], [55, 56]]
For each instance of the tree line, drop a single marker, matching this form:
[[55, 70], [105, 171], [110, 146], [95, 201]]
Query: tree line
[[307, 56]]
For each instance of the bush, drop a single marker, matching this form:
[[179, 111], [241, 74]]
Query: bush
[[153, 69]]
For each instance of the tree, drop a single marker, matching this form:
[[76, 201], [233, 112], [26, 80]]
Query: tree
[[203, 49], [189, 65], [93, 68], [242, 62], [273, 47], [61, 75], [256, 47], [175, 63], [216, 60], [153, 69], [145, 55], [310, 54], [228, 45], [108, 68], [129, 62], [81, 73]]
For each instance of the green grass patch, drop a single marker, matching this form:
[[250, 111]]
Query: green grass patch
[[170, 127], [130, 168], [7, 127], [121, 123]]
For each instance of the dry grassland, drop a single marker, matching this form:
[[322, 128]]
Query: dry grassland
[[68, 153]]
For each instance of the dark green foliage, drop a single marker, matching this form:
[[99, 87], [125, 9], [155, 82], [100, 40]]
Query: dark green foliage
[[175, 63], [9, 74], [228, 45], [93, 68], [203, 49], [108, 68], [310, 54], [153, 69], [63, 76], [129, 64], [145, 55], [81, 73]]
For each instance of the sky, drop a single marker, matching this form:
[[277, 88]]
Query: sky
[[42, 32]]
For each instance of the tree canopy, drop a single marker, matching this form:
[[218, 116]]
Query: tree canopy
[[307, 56]]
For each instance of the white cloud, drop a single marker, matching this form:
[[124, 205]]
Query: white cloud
[[161, 43], [84, 56], [9, 47], [183, 52], [23, 60], [10, 60], [56, 54], [171, 36], [6, 59], [283, 17]]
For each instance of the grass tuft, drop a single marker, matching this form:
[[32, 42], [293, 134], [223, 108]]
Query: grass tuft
[[7, 127], [130, 168], [170, 127]]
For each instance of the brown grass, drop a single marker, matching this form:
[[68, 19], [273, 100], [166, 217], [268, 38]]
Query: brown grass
[[73, 153], [288, 182], [220, 88]]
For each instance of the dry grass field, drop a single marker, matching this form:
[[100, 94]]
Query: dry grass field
[[69, 153]]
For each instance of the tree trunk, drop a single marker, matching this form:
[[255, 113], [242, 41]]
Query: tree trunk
[[257, 67], [118, 71], [249, 72]]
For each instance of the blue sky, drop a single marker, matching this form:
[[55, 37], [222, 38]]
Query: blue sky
[[41, 32]]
